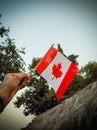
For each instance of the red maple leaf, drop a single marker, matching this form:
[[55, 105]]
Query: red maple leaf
[[56, 70]]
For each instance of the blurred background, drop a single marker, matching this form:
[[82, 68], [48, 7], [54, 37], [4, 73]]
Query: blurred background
[[36, 25]]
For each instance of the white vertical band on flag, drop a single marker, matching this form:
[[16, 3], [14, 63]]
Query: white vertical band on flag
[[59, 58]]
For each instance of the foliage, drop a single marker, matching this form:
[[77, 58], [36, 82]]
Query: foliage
[[3, 30], [10, 58], [60, 50], [89, 72], [73, 59]]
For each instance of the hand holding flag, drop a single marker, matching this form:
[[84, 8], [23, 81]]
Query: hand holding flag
[[57, 70]]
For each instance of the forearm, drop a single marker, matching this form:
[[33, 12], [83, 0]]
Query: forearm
[[1, 105], [2, 102]]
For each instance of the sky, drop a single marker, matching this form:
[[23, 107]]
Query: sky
[[37, 24]]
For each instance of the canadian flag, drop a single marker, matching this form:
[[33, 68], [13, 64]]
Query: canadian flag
[[57, 70]]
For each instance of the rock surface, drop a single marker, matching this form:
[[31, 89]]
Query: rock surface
[[76, 113]]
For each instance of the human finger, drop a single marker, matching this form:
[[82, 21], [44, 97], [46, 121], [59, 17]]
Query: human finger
[[23, 83]]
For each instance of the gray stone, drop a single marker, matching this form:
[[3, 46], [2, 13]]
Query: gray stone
[[78, 112]]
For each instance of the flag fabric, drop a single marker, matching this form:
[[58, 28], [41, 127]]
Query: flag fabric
[[57, 70]]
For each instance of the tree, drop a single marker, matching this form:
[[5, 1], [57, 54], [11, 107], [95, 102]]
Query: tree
[[60, 49], [10, 58], [73, 59], [89, 72], [3, 30], [39, 96]]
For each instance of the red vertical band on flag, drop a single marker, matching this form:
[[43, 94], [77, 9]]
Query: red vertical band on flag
[[45, 61], [66, 81]]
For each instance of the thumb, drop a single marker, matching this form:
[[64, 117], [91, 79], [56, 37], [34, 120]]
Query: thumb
[[24, 80]]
